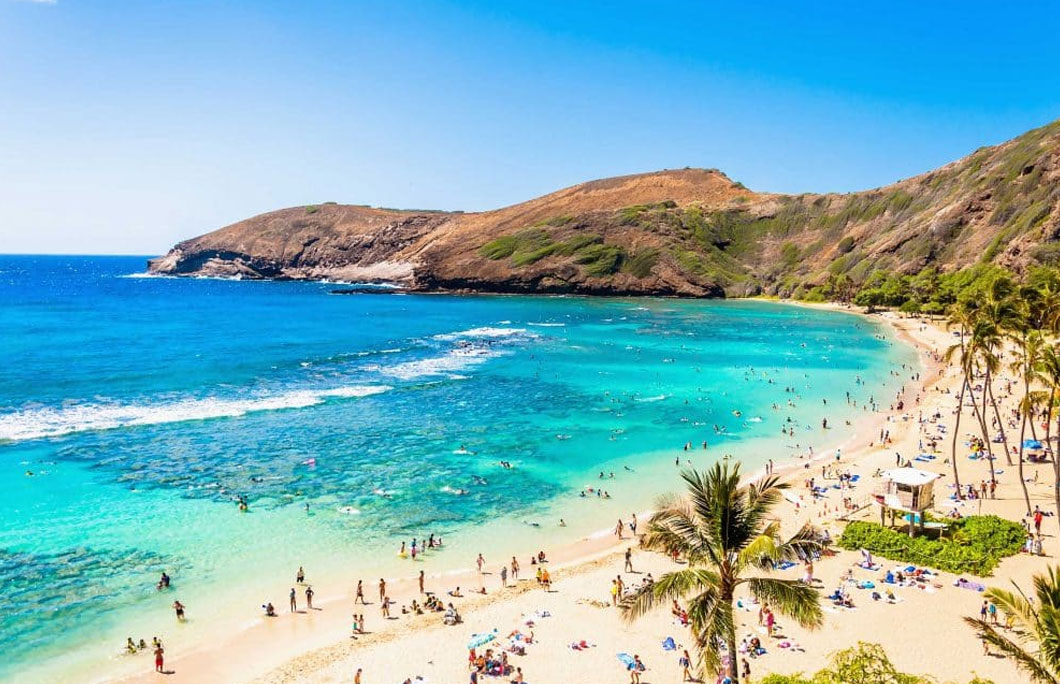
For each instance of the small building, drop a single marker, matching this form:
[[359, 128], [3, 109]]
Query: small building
[[906, 490]]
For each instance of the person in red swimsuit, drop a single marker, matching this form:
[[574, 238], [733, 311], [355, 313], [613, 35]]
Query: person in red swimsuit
[[158, 658]]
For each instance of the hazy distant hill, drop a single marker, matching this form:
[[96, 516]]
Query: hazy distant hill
[[689, 232]]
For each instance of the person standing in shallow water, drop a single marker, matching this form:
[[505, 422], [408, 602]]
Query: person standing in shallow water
[[294, 600], [360, 592], [309, 597]]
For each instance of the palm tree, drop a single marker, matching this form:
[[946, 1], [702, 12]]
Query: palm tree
[[962, 318], [1004, 322], [1049, 374], [721, 528], [1035, 645], [1029, 347]]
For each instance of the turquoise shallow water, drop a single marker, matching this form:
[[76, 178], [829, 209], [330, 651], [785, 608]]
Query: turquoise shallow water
[[143, 407]]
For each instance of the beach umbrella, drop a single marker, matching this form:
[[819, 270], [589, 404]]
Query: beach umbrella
[[481, 639], [1032, 444], [626, 659]]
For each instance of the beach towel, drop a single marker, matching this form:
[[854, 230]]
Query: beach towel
[[784, 565], [966, 584], [668, 644]]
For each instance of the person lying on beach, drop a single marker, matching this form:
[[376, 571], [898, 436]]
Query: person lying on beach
[[456, 593]]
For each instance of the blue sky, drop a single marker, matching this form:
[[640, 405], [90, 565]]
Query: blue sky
[[126, 126]]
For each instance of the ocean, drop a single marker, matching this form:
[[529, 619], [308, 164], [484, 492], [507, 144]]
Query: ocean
[[134, 411]]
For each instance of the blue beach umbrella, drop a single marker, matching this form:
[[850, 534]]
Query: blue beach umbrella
[[626, 659], [1032, 444], [481, 639]]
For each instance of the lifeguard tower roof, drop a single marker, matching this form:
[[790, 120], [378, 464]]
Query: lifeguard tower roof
[[910, 476]]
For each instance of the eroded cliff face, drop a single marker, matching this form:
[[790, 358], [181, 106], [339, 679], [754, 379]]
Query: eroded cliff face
[[683, 233]]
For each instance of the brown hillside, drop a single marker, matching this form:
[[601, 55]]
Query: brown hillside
[[689, 232]]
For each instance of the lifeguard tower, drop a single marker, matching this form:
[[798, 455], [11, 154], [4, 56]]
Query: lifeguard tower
[[906, 490]]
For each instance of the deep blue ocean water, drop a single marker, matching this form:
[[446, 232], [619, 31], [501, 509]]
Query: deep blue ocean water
[[134, 411]]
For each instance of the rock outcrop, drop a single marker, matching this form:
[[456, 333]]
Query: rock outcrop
[[682, 233]]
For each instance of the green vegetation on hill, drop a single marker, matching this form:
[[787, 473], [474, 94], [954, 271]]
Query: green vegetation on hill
[[971, 545], [588, 250]]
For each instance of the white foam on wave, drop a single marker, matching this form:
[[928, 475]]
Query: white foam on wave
[[456, 360], [36, 423], [485, 332], [548, 325]]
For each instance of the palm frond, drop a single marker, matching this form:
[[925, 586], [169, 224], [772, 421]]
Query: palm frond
[[670, 587], [1025, 661], [791, 598]]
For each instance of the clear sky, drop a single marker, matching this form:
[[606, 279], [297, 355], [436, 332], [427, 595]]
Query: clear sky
[[127, 126]]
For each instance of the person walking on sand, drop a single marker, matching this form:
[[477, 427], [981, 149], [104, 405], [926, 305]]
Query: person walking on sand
[[685, 661], [382, 588], [159, 658], [360, 592], [300, 577], [618, 529], [504, 576], [357, 677], [309, 597], [635, 669], [386, 606], [515, 570], [421, 582], [294, 601], [480, 561], [629, 559]]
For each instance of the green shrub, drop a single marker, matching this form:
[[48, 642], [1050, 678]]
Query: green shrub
[[641, 263], [521, 258], [500, 248], [861, 664], [600, 260], [845, 245], [577, 243], [312, 209], [976, 545]]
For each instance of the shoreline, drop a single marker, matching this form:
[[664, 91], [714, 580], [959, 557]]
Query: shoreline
[[296, 647]]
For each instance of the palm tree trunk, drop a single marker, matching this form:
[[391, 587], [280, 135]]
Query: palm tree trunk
[[1023, 431], [1000, 423], [981, 417], [730, 635], [1056, 473], [956, 431]]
